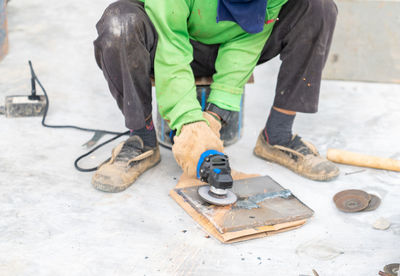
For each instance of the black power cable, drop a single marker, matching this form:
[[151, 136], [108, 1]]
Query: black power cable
[[34, 79]]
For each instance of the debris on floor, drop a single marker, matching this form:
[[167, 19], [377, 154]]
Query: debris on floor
[[319, 249], [354, 172], [315, 272], [381, 224]]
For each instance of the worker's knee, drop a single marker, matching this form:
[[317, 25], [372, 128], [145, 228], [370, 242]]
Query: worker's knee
[[323, 13], [121, 20]]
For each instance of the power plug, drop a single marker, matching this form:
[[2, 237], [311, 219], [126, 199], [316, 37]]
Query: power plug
[[23, 106], [26, 106]]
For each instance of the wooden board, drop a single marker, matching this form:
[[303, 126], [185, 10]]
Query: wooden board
[[231, 224]]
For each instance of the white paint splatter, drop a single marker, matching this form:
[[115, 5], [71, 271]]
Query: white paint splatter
[[115, 26]]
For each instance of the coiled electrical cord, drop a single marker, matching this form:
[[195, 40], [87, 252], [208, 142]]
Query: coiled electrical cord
[[35, 79]]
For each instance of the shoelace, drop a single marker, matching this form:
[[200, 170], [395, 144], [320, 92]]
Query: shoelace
[[296, 148], [128, 150], [298, 145]]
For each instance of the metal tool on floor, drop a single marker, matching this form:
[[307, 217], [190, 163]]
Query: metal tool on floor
[[213, 168]]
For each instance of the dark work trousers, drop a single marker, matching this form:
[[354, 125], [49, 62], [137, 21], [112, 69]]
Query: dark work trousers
[[126, 45]]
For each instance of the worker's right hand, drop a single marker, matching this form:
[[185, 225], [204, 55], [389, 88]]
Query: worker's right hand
[[194, 139]]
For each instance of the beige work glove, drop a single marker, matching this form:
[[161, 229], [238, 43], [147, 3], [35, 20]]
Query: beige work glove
[[215, 124], [194, 139]]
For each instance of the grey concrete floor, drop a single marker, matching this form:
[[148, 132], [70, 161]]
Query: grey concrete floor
[[52, 222]]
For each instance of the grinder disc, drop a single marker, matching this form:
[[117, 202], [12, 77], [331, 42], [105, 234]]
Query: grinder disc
[[392, 269], [351, 200], [208, 196], [373, 203]]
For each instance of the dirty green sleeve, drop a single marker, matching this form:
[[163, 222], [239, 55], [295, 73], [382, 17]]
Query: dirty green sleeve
[[235, 63], [175, 84]]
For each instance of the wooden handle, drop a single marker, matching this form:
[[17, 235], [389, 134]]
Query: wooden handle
[[362, 160]]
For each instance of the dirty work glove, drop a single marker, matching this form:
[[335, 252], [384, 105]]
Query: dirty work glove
[[215, 124], [194, 139]]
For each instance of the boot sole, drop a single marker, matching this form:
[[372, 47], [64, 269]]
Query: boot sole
[[115, 189]]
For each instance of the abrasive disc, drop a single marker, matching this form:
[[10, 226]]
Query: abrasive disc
[[208, 196], [392, 269], [373, 203], [351, 200]]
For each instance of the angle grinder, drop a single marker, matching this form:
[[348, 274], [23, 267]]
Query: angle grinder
[[213, 168]]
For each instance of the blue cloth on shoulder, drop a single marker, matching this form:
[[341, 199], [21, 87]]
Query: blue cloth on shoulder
[[248, 14]]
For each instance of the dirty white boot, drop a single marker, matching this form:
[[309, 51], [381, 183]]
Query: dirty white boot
[[299, 156], [128, 161]]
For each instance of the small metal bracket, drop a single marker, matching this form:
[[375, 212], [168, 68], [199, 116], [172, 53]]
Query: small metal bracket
[[93, 141]]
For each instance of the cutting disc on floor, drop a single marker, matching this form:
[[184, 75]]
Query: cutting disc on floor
[[392, 269], [352, 200], [208, 196], [373, 203]]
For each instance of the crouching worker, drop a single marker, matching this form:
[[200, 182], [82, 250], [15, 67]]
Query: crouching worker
[[178, 40]]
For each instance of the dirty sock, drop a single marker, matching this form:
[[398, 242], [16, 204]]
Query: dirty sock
[[278, 130], [147, 134]]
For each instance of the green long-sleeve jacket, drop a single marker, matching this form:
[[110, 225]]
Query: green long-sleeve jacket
[[178, 21]]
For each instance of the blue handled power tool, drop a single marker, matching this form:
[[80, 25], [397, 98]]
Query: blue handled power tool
[[213, 168]]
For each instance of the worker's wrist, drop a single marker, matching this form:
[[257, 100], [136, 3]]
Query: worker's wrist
[[187, 118], [222, 115], [214, 115]]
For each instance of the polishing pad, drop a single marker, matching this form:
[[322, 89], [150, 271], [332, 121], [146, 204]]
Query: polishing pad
[[221, 200], [352, 200], [373, 203]]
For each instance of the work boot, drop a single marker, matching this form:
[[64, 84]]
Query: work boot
[[298, 156], [128, 161]]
